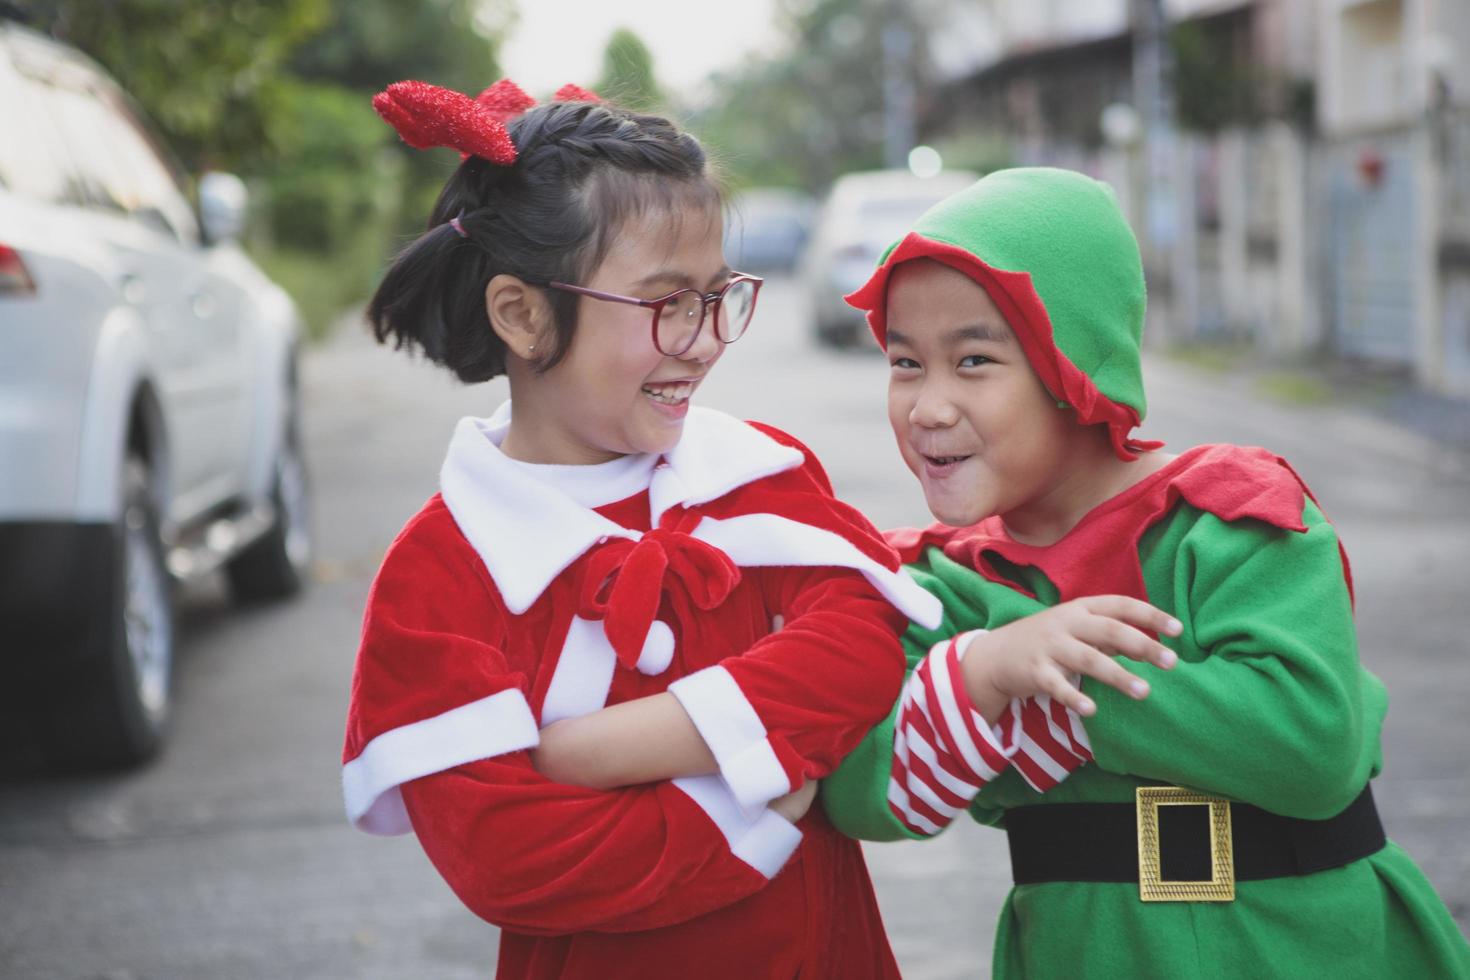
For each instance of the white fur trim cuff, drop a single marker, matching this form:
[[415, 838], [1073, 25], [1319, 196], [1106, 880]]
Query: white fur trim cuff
[[482, 729], [765, 842], [735, 735]]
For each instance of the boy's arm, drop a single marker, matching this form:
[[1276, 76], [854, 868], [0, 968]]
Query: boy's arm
[[855, 795], [922, 765], [1277, 710]]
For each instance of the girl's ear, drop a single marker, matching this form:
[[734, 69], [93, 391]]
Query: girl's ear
[[519, 314]]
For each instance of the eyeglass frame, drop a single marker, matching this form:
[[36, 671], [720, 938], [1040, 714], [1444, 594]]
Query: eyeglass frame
[[657, 305]]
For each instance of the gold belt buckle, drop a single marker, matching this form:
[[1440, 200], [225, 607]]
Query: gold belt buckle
[[1151, 887]]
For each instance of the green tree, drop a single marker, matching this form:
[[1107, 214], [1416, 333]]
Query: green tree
[[207, 72], [627, 73], [813, 110], [369, 43]]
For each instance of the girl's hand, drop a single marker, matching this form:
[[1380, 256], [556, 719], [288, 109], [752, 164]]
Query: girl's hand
[[794, 805], [1037, 654]]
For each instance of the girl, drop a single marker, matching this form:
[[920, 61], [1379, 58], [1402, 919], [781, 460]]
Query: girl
[[600, 541]]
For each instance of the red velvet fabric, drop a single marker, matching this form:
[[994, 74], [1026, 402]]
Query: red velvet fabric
[[639, 881], [625, 581]]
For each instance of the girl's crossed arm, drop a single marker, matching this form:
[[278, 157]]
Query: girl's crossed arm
[[433, 689], [655, 738], [767, 720]]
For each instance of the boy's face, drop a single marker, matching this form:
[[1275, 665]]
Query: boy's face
[[973, 421]]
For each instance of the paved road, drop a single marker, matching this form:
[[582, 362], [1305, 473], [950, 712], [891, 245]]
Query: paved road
[[230, 857]]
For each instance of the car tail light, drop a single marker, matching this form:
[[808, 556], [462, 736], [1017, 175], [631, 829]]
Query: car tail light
[[13, 275]]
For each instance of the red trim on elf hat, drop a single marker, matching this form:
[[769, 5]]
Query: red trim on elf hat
[[1017, 301]]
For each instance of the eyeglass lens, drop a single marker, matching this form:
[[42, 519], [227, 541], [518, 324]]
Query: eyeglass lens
[[681, 317]]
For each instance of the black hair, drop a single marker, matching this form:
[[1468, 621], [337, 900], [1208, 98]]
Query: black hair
[[582, 171]]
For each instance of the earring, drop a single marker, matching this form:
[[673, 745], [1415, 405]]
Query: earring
[[531, 349]]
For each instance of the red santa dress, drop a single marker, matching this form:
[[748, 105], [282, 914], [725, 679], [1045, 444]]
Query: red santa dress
[[725, 572]]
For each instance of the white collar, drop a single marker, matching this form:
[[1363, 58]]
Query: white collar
[[528, 530], [593, 484]]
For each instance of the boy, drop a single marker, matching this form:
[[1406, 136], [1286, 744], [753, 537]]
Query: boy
[[1012, 317]]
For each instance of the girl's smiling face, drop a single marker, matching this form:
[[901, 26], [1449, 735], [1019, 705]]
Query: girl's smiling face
[[973, 421], [613, 393]]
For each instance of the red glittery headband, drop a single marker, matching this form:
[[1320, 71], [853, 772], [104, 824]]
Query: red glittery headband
[[427, 115]]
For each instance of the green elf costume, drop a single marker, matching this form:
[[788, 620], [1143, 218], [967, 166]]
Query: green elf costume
[[1223, 827]]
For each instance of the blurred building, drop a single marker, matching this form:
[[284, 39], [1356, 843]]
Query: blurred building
[[1312, 192]]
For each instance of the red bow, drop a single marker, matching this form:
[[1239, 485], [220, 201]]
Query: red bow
[[571, 92], [427, 115], [625, 580], [505, 100]]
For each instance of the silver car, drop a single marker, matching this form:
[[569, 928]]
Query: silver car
[[862, 215], [148, 409]]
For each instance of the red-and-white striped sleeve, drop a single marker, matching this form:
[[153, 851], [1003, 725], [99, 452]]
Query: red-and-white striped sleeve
[[1052, 745], [943, 750]]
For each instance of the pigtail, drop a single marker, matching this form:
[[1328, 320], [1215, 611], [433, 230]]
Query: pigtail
[[433, 295], [433, 299]]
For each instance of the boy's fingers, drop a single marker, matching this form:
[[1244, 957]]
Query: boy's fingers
[[1054, 683], [1134, 612], [1083, 659], [1111, 636]]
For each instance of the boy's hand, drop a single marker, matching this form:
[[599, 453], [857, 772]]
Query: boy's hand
[[1037, 654], [794, 805]]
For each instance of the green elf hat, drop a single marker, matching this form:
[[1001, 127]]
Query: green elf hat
[[1056, 256]]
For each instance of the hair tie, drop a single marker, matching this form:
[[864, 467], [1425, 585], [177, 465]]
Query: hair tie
[[454, 223]]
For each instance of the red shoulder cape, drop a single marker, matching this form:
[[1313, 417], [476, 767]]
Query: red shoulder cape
[[1100, 554]]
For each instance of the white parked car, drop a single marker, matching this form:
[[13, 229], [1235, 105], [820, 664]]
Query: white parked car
[[148, 409], [862, 215]]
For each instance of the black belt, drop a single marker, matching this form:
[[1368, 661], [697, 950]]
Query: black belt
[[1190, 846]]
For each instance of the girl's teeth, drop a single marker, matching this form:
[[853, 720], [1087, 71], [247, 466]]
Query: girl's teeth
[[669, 394]]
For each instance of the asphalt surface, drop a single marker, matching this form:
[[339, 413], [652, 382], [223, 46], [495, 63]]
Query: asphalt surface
[[230, 857]]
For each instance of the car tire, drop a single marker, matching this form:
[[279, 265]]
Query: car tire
[[276, 564], [115, 710]]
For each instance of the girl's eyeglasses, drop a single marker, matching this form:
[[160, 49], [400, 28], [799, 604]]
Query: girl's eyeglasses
[[679, 316]]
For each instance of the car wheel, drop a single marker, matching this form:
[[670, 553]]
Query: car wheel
[[117, 710], [276, 565]]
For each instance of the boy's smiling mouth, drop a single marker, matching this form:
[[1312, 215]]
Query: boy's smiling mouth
[[938, 467]]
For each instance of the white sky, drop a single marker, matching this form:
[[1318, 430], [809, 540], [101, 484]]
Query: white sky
[[560, 41]]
